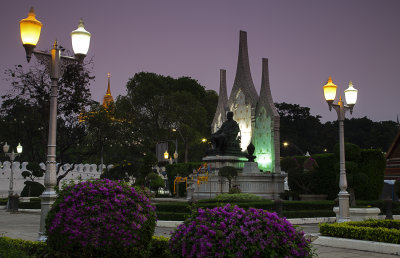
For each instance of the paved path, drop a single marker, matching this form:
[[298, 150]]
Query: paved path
[[26, 226]]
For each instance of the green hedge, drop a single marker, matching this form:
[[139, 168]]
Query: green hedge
[[324, 177], [159, 247], [29, 205], [178, 211], [3, 201], [372, 163], [174, 216], [321, 180], [172, 207], [10, 247], [387, 231], [170, 215], [22, 248]]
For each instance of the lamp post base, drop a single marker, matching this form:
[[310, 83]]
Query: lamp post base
[[47, 199], [344, 209]]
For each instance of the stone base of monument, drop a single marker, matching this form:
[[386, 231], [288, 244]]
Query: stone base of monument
[[360, 214], [217, 161], [249, 179]]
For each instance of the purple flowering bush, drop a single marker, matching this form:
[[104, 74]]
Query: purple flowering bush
[[234, 232], [100, 218]]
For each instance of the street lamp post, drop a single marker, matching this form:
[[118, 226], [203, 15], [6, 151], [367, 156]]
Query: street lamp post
[[12, 157], [340, 108], [175, 155], [30, 33], [184, 141]]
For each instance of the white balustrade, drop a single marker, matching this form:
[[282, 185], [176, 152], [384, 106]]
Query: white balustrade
[[79, 172]]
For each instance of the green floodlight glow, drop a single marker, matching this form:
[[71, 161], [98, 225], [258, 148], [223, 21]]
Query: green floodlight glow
[[264, 161]]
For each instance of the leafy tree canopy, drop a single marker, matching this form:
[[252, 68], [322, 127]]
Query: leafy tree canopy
[[24, 112], [156, 104]]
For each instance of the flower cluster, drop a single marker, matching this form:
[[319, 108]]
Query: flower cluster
[[232, 231], [100, 217]]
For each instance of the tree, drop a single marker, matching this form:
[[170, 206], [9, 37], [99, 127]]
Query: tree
[[154, 181], [229, 173], [156, 104], [31, 187], [299, 128], [305, 132], [24, 112]]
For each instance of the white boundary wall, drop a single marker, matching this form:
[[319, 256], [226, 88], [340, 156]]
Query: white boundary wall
[[80, 172]]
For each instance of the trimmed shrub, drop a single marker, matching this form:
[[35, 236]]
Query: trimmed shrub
[[32, 189], [387, 231], [227, 197], [173, 206], [3, 201], [352, 151], [159, 247], [234, 232], [22, 248], [365, 171], [29, 205], [172, 216], [372, 163], [154, 181], [320, 179], [10, 247], [101, 218]]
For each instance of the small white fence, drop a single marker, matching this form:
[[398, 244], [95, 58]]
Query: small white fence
[[80, 172]]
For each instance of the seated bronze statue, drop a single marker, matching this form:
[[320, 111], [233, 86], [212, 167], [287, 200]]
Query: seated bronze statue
[[228, 133]]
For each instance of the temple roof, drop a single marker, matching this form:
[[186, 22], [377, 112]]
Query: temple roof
[[394, 150]]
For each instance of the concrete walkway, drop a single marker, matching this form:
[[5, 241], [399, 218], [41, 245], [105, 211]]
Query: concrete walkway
[[26, 226]]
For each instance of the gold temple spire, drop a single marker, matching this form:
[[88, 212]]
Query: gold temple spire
[[108, 99]]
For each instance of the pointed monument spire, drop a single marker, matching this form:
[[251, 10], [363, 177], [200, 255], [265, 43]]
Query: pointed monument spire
[[265, 91], [108, 88], [108, 98], [222, 107], [243, 80], [223, 99], [266, 107]]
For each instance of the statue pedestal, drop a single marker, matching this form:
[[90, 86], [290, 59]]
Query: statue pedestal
[[218, 161], [250, 167], [249, 179]]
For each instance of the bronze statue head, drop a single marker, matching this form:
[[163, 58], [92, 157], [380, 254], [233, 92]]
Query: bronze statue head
[[229, 115]]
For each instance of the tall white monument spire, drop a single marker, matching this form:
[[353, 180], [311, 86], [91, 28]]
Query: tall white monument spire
[[222, 107], [266, 130], [243, 98]]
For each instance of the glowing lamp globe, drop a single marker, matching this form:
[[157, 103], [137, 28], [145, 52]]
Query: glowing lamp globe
[[6, 147], [166, 155], [80, 40], [30, 32], [19, 148], [351, 95], [330, 91], [176, 155]]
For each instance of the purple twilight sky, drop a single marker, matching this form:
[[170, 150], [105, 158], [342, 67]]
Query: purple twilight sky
[[306, 41]]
